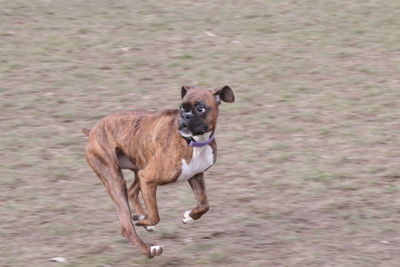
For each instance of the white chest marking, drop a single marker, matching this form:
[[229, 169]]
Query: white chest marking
[[202, 158]]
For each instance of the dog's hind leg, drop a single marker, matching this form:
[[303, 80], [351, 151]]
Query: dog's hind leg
[[133, 194], [105, 166], [149, 191]]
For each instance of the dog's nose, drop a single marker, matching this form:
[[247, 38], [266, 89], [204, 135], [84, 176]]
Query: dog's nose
[[187, 116]]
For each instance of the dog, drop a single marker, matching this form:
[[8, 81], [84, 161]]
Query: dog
[[160, 147]]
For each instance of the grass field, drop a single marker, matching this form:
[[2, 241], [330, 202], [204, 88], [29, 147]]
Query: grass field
[[308, 169]]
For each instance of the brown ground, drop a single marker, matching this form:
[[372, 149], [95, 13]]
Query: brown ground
[[308, 169]]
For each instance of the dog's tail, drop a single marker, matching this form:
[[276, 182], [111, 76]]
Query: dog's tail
[[86, 131]]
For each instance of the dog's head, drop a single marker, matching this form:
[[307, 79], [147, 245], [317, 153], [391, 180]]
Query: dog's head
[[199, 109]]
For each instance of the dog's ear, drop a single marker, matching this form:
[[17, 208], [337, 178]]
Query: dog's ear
[[185, 89], [224, 93]]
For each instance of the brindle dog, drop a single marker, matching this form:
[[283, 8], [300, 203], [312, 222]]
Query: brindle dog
[[160, 147]]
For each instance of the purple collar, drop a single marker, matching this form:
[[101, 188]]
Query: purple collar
[[193, 143]]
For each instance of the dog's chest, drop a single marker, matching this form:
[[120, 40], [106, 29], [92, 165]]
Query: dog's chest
[[202, 159]]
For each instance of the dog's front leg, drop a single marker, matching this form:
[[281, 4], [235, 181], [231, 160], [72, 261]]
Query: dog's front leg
[[199, 189]]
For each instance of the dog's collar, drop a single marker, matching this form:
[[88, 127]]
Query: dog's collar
[[193, 143]]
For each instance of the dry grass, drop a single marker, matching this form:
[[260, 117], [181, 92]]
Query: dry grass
[[308, 171]]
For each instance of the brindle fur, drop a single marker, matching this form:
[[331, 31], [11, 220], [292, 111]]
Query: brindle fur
[[151, 146]]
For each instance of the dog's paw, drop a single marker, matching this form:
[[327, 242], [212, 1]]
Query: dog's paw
[[150, 228], [155, 251], [186, 217], [137, 217]]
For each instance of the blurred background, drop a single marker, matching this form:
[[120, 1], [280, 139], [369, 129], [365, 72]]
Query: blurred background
[[308, 166]]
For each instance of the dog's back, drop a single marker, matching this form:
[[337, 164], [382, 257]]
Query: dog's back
[[139, 135]]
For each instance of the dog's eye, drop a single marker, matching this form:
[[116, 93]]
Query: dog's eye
[[201, 109], [181, 108]]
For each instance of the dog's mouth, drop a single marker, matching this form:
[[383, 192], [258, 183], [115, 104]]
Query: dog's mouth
[[192, 127], [185, 132]]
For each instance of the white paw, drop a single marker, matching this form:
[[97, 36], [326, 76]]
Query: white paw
[[186, 217], [155, 251], [150, 228], [137, 217]]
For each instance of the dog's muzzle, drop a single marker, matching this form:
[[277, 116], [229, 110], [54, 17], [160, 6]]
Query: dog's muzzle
[[191, 125]]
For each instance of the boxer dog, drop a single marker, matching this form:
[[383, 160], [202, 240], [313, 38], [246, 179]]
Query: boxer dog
[[160, 147]]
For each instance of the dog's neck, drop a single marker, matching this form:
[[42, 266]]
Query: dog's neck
[[203, 140], [198, 140]]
